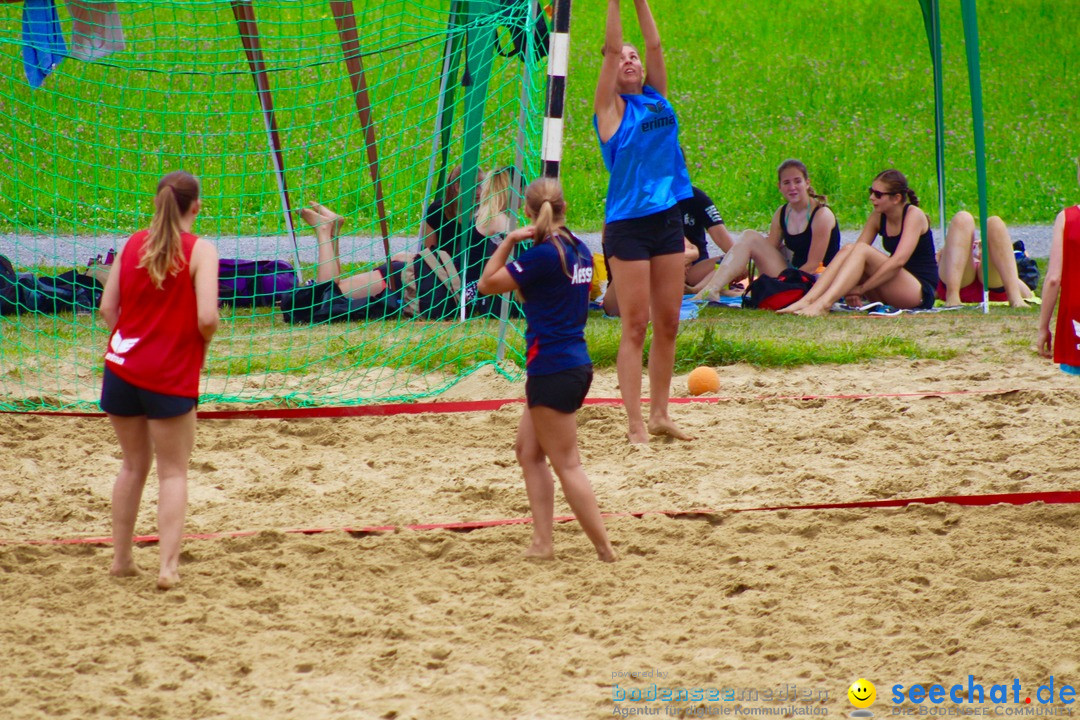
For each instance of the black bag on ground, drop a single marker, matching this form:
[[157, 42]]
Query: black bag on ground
[[775, 293], [9, 287], [1026, 267], [324, 302], [25, 293]]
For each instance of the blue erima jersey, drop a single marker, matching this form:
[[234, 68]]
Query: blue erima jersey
[[556, 304], [648, 172]]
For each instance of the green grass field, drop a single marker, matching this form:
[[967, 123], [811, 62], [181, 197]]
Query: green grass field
[[843, 84], [846, 86]]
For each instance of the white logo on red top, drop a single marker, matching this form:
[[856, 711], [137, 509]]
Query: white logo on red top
[[119, 345]]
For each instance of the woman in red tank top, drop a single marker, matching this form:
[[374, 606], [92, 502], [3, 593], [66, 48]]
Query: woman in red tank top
[[160, 303], [1063, 283]]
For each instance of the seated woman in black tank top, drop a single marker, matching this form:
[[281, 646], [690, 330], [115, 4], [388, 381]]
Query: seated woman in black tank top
[[906, 277], [804, 225]]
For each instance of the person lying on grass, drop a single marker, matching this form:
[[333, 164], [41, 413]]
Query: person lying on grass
[[358, 286], [904, 276]]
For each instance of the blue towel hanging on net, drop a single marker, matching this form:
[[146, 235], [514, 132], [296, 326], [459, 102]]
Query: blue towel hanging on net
[[43, 40]]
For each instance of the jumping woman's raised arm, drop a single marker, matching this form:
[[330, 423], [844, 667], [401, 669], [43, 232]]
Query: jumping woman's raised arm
[[654, 53], [607, 104]]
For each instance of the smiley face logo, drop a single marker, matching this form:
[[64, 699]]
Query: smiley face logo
[[862, 693]]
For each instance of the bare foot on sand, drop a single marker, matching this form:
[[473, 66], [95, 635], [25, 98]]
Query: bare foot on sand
[[664, 426], [125, 569], [606, 554], [167, 581], [539, 552]]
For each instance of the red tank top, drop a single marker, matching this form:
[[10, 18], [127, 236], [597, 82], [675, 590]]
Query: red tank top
[[156, 344], [1067, 335]]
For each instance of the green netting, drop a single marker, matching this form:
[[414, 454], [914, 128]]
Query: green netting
[[169, 85]]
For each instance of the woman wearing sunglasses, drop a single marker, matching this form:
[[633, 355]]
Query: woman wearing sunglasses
[[904, 276]]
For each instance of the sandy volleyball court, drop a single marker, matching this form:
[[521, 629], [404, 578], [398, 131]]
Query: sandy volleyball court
[[420, 624]]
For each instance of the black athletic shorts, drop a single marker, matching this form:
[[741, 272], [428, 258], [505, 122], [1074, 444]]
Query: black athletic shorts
[[929, 295], [564, 391], [645, 237], [391, 272], [119, 397]]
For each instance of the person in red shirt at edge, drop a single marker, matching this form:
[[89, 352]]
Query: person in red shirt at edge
[[1061, 289], [160, 303]]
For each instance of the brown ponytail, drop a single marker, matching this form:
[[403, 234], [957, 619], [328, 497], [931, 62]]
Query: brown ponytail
[[545, 205], [452, 193], [896, 184], [821, 200], [162, 253]]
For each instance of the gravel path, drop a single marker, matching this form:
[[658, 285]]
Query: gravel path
[[24, 250]]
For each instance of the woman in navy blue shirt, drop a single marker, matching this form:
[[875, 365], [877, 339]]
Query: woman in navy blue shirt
[[904, 276], [643, 233], [553, 279]]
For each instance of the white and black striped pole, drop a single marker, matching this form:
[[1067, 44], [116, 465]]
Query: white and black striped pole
[[558, 62]]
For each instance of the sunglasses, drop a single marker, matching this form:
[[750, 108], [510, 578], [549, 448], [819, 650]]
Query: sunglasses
[[878, 194]]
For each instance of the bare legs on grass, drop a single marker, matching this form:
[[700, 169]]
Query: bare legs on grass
[[648, 288], [957, 266], [851, 266], [752, 245], [169, 442], [327, 225], [547, 434]]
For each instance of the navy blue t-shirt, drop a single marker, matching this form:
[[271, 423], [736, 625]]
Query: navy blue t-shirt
[[556, 304]]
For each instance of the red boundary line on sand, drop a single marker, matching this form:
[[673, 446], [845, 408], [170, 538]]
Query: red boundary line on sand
[[1057, 497], [488, 405]]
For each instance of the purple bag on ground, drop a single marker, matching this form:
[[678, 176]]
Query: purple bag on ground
[[254, 283]]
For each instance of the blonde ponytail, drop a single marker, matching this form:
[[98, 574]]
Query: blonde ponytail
[[546, 207], [162, 254]]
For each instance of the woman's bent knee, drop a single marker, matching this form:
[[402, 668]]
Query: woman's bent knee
[[964, 217]]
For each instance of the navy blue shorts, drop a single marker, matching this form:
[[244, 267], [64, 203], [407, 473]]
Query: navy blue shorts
[[119, 397], [564, 391], [645, 237]]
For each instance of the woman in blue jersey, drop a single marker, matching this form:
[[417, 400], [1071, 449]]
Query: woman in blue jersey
[[804, 225], [904, 276], [643, 233], [553, 279]]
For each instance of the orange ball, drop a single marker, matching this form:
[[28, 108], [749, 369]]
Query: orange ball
[[703, 380]]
